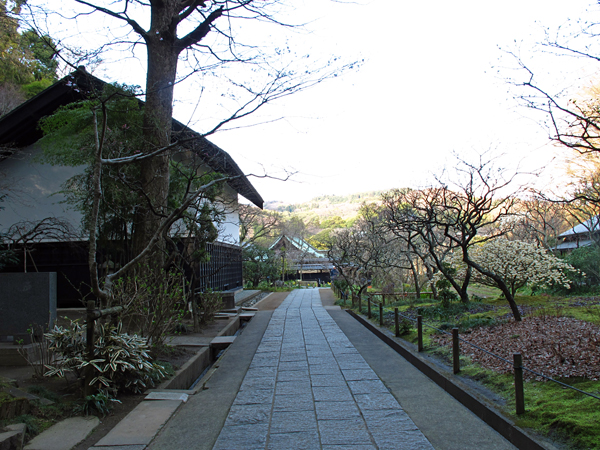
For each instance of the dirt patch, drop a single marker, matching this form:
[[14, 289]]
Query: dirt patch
[[327, 297], [271, 302], [558, 347]]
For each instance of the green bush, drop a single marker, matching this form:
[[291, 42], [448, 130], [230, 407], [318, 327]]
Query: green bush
[[209, 304], [476, 322], [121, 362], [586, 259], [439, 312], [405, 326], [153, 300], [100, 403]]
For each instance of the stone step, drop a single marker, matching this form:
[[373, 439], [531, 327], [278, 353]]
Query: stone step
[[245, 317], [140, 426], [16, 355], [12, 436], [220, 343], [64, 435]]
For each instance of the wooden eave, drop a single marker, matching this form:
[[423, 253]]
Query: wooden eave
[[19, 128]]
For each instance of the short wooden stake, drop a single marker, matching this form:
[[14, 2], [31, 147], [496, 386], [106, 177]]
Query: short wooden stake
[[88, 371], [380, 315], [420, 333], [519, 394], [455, 350], [369, 307], [396, 322]]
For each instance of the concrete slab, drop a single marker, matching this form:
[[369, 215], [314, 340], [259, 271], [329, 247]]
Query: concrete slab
[[220, 343], [141, 425], [167, 396], [245, 317], [11, 356], [189, 341], [222, 340], [18, 393], [65, 434], [119, 447], [12, 437]]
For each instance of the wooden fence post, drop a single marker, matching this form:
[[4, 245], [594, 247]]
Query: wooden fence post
[[90, 319], [455, 350], [381, 314], [369, 307], [519, 394], [420, 333], [396, 322]]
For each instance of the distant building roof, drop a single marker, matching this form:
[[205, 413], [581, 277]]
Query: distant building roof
[[298, 243], [588, 226], [572, 245]]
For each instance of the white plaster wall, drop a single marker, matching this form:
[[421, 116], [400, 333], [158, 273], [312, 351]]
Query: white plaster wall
[[32, 188], [32, 194], [229, 230]]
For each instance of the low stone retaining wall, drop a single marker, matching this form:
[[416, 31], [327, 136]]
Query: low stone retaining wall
[[191, 370]]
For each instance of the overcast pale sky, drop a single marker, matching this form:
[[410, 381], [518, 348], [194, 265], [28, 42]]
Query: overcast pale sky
[[433, 82], [429, 86]]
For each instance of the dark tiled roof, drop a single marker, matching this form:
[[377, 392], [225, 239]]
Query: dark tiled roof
[[19, 128]]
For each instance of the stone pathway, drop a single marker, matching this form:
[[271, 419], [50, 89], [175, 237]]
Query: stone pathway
[[308, 388]]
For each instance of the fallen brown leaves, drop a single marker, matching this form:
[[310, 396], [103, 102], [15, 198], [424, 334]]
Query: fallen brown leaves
[[557, 347]]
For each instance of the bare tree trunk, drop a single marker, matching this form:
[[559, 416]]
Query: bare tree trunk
[[158, 124], [415, 275], [502, 286]]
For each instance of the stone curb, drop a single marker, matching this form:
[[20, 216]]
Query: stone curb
[[461, 392], [12, 437]]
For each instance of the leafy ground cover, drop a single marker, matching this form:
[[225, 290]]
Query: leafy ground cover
[[66, 397], [559, 337]]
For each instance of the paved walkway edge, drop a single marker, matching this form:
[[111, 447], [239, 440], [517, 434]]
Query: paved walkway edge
[[515, 435], [210, 406]]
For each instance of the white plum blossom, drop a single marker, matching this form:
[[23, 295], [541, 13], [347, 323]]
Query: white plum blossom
[[518, 263]]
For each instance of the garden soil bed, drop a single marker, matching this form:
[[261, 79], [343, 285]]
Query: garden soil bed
[[23, 376]]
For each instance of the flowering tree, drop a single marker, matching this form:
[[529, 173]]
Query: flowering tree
[[516, 263], [453, 216]]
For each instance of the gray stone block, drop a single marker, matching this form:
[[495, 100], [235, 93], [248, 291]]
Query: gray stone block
[[306, 440], [344, 432], [12, 436], [28, 299]]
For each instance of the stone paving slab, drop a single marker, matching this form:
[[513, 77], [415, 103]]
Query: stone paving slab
[[65, 435], [141, 425], [308, 387], [242, 409]]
